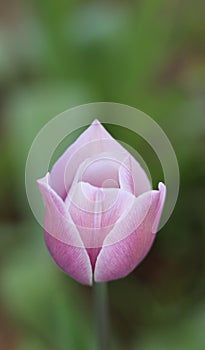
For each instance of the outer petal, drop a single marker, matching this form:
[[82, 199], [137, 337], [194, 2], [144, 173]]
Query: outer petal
[[94, 141], [62, 238], [74, 261], [118, 259]]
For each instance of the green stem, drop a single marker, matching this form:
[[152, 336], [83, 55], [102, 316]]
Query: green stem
[[101, 316]]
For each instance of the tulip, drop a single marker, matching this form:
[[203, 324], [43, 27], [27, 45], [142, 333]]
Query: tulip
[[101, 212]]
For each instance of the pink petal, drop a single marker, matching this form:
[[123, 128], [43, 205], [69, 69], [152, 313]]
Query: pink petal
[[64, 169], [95, 211], [132, 177], [118, 258], [74, 261], [102, 172], [114, 170], [62, 238], [125, 177], [93, 142]]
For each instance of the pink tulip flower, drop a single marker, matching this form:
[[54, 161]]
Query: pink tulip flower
[[101, 212]]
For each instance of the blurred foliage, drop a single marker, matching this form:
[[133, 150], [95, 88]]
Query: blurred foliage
[[147, 54]]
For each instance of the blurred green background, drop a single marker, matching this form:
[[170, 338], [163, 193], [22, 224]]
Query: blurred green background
[[147, 54]]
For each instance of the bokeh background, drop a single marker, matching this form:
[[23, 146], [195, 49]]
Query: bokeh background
[[147, 54]]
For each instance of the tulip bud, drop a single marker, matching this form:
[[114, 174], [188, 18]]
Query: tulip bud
[[101, 212]]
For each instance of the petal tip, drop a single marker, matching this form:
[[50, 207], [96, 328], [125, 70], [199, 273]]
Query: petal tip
[[162, 196], [43, 180], [161, 186], [163, 191], [96, 122], [98, 126]]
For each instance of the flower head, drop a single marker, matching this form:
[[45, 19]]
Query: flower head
[[101, 212]]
